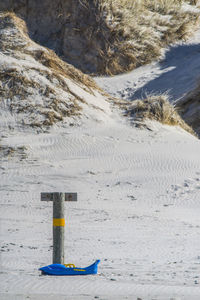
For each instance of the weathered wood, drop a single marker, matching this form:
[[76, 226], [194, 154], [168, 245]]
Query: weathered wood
[[58, 221], [49, 196], [58, 231]]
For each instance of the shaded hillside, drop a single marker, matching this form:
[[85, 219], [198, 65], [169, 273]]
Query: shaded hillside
[[106, 36], [36, 87]]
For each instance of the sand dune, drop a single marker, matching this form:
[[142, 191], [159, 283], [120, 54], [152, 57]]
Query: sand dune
[[137, 211], [138, 189]]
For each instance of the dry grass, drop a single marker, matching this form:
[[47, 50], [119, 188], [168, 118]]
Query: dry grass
[[20, 89], [36, 85], [135, 32], [158, 108], [107, 36], [50, 60], [34, 81], [44, 56]]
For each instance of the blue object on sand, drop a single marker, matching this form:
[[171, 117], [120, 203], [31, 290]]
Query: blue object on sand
[[69, 269]]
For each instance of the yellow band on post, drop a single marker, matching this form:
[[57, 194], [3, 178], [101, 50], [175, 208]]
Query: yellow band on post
[[58, 222]]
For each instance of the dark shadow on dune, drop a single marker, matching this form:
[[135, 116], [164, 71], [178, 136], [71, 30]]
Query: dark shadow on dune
[[182, 66]]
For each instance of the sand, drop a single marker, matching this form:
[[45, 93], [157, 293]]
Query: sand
[[138, 209]]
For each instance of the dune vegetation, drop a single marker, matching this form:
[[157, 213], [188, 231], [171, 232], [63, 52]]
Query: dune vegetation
[[158, 108], [119, 36], [138, 30], [37, 88], [107, 36]]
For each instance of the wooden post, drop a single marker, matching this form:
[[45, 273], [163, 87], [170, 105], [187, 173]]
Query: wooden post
[[58, 228], [58, 222]]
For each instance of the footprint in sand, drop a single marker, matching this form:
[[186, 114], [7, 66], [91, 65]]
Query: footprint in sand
[[188, 186]]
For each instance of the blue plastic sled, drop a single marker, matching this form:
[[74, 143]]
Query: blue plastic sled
[[69, 269]]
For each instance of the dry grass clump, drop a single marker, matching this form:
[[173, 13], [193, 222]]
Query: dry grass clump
[[16, 27], [189, 109], [50, 60], [138, 30], [38, 102], [158, 108]]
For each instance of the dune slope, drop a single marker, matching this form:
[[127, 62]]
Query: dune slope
[[37, 88]]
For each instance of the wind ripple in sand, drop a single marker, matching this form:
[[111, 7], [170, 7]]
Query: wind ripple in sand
[[125, 181]]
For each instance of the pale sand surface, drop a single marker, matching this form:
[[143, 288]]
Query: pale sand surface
[[138, 211]]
